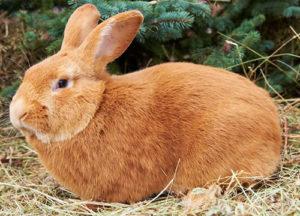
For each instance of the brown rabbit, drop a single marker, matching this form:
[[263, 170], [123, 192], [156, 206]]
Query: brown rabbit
[[123, 138]]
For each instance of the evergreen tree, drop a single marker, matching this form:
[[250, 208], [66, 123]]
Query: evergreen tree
[[237, 35]]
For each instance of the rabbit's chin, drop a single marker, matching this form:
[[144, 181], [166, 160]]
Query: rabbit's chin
[[47, 138]]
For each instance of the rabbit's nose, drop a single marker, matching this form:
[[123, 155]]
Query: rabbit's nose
[[16, 112]]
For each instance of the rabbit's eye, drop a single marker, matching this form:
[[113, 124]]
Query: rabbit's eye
[[62, 83]]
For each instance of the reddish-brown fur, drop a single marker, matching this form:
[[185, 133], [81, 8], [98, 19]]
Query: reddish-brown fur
[[192, 122]]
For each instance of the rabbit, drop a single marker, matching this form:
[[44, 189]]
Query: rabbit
[[123, 138]]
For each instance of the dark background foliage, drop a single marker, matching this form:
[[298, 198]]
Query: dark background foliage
[[251, 37]]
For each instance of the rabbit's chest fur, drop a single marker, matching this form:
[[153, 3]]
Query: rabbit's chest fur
[[181, 121]]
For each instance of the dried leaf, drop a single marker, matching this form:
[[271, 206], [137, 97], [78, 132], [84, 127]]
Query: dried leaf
[[200, 198], [16, 162]]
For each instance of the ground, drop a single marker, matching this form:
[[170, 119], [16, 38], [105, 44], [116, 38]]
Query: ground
[[27, 189]]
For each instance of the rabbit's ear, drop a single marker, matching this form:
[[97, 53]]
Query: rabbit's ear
[[83, 20], [111, 38]]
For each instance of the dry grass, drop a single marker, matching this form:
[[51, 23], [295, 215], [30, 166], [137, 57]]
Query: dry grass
[[27, 189], [13, 59]]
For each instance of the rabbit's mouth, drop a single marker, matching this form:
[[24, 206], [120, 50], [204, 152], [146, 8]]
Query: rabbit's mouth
[[28, 119], [27, 130], [22, 126], [29, 125]]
